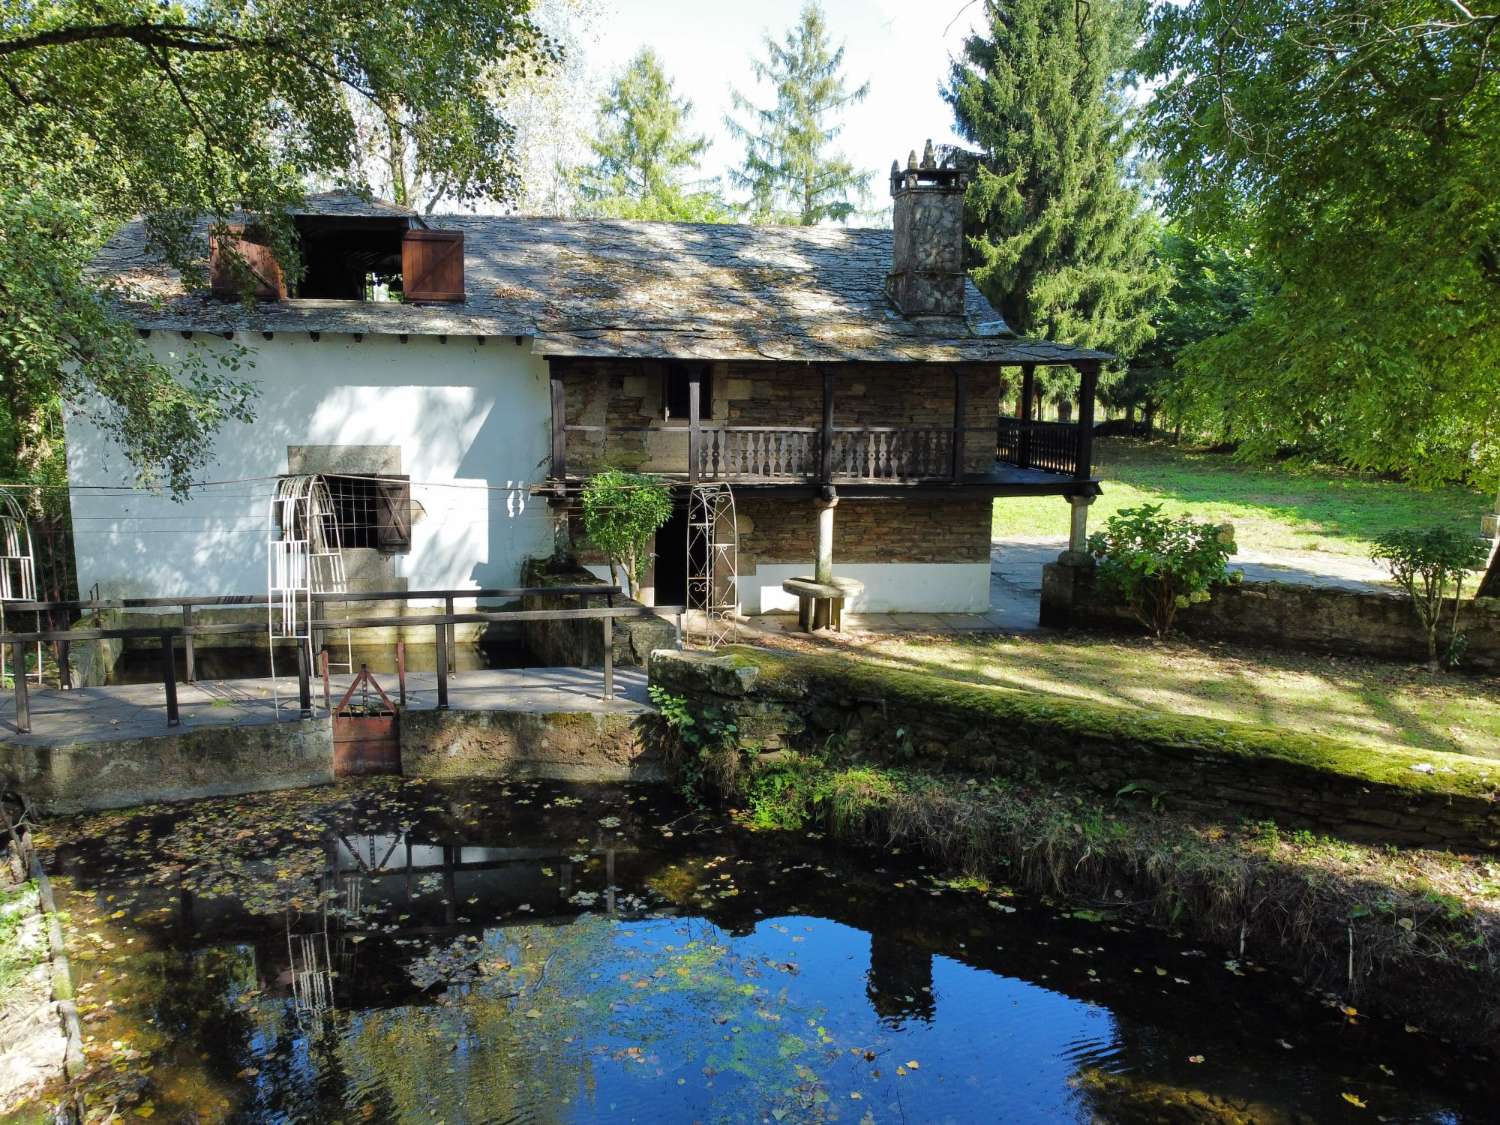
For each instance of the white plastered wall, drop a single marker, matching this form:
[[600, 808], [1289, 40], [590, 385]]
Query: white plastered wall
[[471, 420]]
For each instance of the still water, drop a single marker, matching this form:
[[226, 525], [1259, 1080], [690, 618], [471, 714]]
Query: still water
[[400, 951]]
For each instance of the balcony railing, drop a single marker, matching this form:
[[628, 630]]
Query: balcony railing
[[768, 454], [1054, 447]]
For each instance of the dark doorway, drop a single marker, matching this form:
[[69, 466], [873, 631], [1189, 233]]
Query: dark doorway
[[672, 562]]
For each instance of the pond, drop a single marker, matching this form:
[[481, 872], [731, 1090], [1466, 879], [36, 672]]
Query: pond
[[400, 951]]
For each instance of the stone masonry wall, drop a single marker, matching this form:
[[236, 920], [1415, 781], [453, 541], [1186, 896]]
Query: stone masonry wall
[[778, 701], [628, 393], [1285, 616], [909, 529]]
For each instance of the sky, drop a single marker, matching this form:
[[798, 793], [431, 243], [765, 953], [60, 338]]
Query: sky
[[899, 46]]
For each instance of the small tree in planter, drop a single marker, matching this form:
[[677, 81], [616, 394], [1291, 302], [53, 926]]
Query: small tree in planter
[[1425, 563], [621, 513], [1158, 565]]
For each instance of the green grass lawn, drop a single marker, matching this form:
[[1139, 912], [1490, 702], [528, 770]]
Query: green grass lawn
[[1363, 702], [1272, 507]]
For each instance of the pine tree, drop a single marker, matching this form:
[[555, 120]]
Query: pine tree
[[644, 156], [1063, 240], [791, 175]]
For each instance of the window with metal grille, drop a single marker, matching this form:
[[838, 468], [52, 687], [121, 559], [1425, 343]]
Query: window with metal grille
[[372, 512]]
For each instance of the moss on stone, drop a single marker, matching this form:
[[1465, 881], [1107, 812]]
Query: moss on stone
[[1016, 711]]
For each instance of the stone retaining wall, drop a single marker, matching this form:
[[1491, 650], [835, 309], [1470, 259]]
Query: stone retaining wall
[[1282, 615], [580, 644], [1219, 769], [222, 761]]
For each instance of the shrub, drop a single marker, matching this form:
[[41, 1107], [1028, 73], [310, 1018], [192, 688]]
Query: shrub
[[1158, 565], [621, 512], [1424, 562]]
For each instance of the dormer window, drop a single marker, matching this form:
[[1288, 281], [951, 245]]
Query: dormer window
[[377, 258]]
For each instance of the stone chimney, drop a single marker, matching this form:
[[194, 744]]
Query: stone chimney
[[927, 270]]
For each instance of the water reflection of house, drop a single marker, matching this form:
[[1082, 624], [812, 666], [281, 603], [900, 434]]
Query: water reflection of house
[[899, 983]]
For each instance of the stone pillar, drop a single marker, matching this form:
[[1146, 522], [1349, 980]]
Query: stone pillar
[[1065, 581], [823, 570], [1078, 530]]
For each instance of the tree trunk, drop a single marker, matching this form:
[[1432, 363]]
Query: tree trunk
[[1064, 410]]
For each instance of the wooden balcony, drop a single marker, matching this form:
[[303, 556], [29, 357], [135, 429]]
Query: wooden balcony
[[1053, 447]]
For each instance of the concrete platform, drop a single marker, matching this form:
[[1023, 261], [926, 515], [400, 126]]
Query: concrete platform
[[130, 711]]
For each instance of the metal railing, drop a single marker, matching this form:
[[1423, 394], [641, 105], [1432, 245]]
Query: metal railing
[[441, 623]]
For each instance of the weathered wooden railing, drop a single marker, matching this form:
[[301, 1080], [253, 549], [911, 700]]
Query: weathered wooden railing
[[1050, 446], [776, 454], [441, 624]]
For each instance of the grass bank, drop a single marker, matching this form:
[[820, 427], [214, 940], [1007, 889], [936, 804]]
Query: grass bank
[[1273, 508], [1363, 702], [1411, 932]]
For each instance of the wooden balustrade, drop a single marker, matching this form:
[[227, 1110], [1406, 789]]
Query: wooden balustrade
[[1050, 446]]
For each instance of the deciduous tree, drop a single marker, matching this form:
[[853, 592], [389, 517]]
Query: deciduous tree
[[216, 109], [1353, 144]]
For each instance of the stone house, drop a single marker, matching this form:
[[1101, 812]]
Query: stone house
[[806, 368]]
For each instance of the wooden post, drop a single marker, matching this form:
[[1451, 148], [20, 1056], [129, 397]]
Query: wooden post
[[1028, 388], [304, 678], [609, 658], [825, 450], [559, 435], [327, 687], [18, 672], [401, 671], [960, 418], [452, 637], [442, 667], [695, 404], [1088, 383], [191, 671], [169, 678], [64, 668]]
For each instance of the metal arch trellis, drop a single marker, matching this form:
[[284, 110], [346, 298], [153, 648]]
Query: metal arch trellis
[[303, 558], [17, 568], [713, 600]]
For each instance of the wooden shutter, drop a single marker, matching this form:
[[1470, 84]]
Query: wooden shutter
[[255, 249], [393, 515], [432, 265]]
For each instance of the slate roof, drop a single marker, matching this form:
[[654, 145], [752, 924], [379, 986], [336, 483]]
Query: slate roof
[[596, 287]]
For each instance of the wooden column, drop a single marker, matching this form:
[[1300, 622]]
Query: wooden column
[[559, 436], [23, 701], [168, 678], [695, 405], [825, 442], [1028, 392], [191, 672], [960, 420], [1088, 384]]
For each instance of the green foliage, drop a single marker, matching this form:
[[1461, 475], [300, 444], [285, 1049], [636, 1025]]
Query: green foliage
[[1063, 241], [621, 513], [788, 169], [705, 739], [207, 111], [1158, 565], [1425, 563], [644, 157], [1213, 288], [1352, 143], [60, 340]]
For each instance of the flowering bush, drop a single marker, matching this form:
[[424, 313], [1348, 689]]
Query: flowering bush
[[1158, 565]]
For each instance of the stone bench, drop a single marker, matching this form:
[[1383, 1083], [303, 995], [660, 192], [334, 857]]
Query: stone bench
[[820, 605]]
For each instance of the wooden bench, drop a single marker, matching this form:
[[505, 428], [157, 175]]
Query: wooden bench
[[820, 605]]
